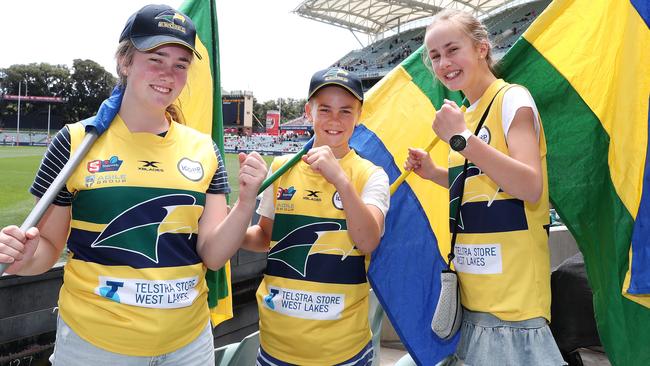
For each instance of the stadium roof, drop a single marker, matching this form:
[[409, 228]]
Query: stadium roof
[[377, 16]]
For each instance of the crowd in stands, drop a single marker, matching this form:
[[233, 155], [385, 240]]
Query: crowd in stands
[[286, 143], [381, 56], [509, 25], [26, 138]]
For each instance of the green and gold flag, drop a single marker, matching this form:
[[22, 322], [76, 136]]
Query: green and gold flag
[[587, 64], [200, 102]]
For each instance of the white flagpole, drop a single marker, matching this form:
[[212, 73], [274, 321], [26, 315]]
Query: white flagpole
[[49, 109], [18, 118]]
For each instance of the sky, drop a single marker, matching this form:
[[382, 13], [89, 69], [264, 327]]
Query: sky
[[265, 48]]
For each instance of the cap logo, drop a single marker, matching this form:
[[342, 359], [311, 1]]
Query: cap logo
[[336, 74], [170, 19]]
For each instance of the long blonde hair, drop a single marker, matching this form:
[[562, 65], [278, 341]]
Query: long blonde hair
[[124, 58], [470, 25]]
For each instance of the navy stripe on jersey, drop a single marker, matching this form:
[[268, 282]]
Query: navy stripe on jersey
[[499, 216], [219, 184], [172, 250], [363, 358], [324, 268], [56, 156]]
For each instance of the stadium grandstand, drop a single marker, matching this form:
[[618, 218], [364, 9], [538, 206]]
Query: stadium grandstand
[[27, 138], [395, 29], [288, 142]]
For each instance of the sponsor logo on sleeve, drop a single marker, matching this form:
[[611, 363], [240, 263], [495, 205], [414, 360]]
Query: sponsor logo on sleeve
[[285, 194], [336, 200], [109, 165], [190, 169], [484, 134]]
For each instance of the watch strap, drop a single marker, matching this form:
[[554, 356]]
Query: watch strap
[[466, 134]]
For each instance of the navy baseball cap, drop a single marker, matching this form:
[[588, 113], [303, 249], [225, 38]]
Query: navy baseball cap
[[339, 77], [156, 25]]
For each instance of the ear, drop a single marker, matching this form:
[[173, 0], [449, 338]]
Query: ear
[[483, 48], [308, 111], [359, 111], [124, 68]]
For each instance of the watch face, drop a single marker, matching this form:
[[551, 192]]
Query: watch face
[[457, 142]]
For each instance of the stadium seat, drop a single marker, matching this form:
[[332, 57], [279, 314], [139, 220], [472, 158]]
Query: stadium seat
[[242, 353], [375, 317], [407, 360]]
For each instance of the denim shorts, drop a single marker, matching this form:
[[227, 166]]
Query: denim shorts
[[486, 340], [71, 350]]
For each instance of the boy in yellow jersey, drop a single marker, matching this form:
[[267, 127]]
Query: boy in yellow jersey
[[320, 226]]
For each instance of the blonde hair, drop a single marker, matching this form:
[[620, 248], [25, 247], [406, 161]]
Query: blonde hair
[[470, 25], [124, 57]]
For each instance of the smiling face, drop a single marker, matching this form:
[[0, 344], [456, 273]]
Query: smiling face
[[334, 112], [155, 78], [457, 61]]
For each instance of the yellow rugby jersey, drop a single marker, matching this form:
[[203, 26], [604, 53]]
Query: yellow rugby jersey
[[502, 254], [134, 283], [313, 300]]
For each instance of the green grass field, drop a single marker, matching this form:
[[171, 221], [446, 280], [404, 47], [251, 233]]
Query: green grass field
[[18, 165]]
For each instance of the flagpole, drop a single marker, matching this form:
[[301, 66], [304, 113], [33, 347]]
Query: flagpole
[[95, 126], [53, 190], [49, 109], [402, 177], [18, 118], [291, 162]]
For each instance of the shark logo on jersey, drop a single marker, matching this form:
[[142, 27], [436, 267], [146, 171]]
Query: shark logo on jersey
[[295, 248], [454, 190], [138, 228]]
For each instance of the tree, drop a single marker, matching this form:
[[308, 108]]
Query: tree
[[84, 88], [291, 108], [33, 79], [90, 85]]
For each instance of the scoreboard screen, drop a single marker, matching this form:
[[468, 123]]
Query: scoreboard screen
[[233, 111]]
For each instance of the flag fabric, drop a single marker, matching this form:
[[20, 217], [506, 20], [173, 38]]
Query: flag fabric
[[405, 269], [200, 102], [586, 64], [106, 112]]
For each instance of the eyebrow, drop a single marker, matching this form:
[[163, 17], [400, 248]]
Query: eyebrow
[[165, 54], [346, 107], [449, 44]]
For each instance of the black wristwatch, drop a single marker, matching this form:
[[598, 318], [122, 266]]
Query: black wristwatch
[[459, 142]]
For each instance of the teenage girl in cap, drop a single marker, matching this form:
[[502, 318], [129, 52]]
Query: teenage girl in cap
[[501, 249], [143, 215]]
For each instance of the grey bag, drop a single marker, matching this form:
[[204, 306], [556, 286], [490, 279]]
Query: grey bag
[[448, 315]]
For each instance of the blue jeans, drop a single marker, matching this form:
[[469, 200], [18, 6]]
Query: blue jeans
[[71, 350]]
